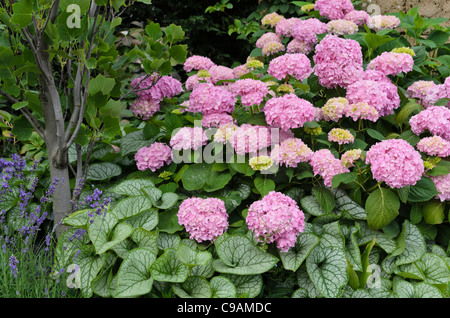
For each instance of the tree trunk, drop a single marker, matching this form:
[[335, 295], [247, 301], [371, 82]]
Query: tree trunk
[[54, 139]]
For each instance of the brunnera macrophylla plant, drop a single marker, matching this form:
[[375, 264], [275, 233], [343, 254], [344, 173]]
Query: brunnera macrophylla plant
[[318, 167]]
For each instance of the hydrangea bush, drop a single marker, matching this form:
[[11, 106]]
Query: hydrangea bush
[[318, 167]]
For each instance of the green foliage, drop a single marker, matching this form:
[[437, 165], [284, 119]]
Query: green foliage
[[361, 238]]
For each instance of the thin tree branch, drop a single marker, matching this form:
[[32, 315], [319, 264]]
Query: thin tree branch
[[33, 121]]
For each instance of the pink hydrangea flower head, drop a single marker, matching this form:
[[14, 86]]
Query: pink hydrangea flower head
[[296, 65], [284, 27], [153, 157], [240, 70], [297, 46], [341, 136], [267, 37], [252, 91], [390, 63], [288, 111], [216, 119], [342, 27], [197, 62], [204, 219], [395, 162], [334, 9], [276, 218], [338, 61], [361, 110], [442, 186], [220, 73], [271, 48], [272, 19], [193, 81], [306, 30], [208, 98], [156, 88], [433, 94], [383, 96], [291, 152], [326, 165], [434, 119], [225, 132], [434, 146], [419, 89], [144, 108], [357, 16], [188, 138], [250, 138], [349, 157], [334, 109], [447, 86], [382, 22], [375, 75]]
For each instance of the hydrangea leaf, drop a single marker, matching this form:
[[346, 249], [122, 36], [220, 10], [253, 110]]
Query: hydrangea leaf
[[222, 287], [382, 207], [248, 286], [132, 187], [103, 171], [422, 191], [325, 198], [293, 258], [131, 206], [327, 269], [169, 268], [239, 256], [202, 176], [193, 287], [264, 185], [133, 277]]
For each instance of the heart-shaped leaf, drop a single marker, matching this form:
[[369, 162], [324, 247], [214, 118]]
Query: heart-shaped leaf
[[239, 256], [133, 277]]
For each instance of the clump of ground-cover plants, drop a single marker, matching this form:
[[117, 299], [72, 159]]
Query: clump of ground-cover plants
[[318, 167]]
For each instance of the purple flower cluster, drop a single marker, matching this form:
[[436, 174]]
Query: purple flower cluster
[[334, 9]]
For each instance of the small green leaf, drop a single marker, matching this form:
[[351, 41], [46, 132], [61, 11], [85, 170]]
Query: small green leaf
[[264, 185], [325, 198], [23, 12], [347, 177], [154, 31], [433, 212]]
